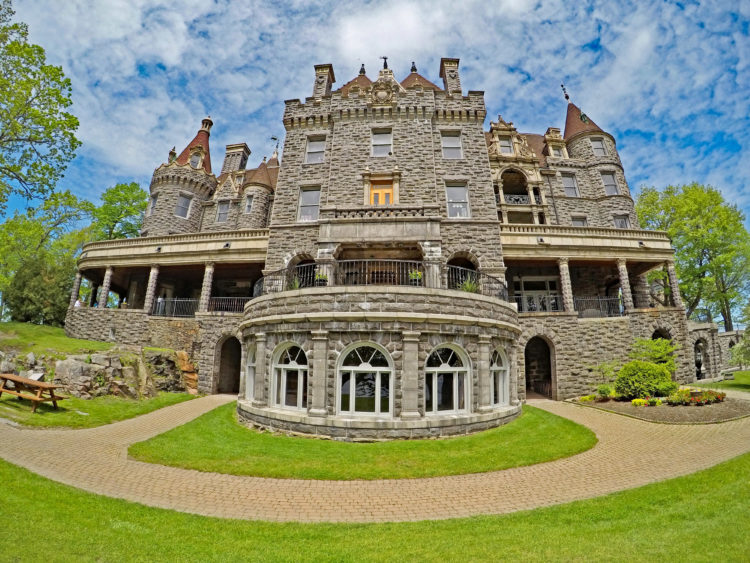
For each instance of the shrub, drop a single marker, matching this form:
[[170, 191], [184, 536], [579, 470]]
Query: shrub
[[666, 389], [686, 397], [679, 397], [639, 402], [638, 379], [604, 391], [654, 402], [658, 351], [586, 398]]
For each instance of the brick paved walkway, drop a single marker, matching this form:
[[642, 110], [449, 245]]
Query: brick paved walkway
[[630, 453]]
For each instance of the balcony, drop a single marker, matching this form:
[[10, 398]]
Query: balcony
[[539, 303], [517, 199], [186, 308], [598, 307]]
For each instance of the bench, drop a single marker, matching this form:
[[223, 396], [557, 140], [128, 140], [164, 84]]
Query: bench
[[30, 389]]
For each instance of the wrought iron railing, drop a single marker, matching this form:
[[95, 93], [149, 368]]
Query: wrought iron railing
[[535, 303], [227, 304], [379, 272], [517, 199], [472, 281], [594, 307], [174, 307], [296, 277]]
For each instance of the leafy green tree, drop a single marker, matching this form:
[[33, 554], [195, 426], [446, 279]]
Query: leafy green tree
[[37, 135], [121, 212], [711, 243], [656, 351], [741, 351]]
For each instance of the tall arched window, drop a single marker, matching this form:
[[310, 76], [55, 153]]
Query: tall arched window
[[446, 381], [499, 378], [290, 379], [365, 380]]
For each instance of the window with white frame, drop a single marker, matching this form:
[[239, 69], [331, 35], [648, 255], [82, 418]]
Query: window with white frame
[[248, 204], [579, 221], [570, 185], [316, 149], [610, 183], [537, 294], [382, 142], [451, 144], [290, 379], [457, 195], [446, 385], [622, 222], [309, 203], [598, 146], [151, 205], [222, 212], [365, 381], [499, 380], [182, 209], [505, 144]]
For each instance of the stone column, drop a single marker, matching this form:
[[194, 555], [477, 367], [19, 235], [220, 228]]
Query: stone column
[[674, 285], [513, 374], [260, 370], [105, 287], [319, 373], [76, 289], [92, 297], [326, 268], [627, 297], [432, 274], [153, 277], [567, 288], [410, 375], [208, 279], [483, 373]]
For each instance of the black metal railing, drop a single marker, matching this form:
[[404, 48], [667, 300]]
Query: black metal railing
[[227, 304], [595, 307], [536, 303], [295, 277], [174, 307], [517, 199], [379, 272], [473, 281]]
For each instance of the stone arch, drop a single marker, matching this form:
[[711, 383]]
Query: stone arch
[[701, 358], [539, 366], [661, 332], [514, 181], [464, 259], [380, 381], [228, 365]]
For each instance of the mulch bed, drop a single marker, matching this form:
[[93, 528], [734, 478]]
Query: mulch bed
[[683, 414]]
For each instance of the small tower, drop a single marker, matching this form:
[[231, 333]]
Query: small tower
[[324, 78], [235, 158], [449, 74]]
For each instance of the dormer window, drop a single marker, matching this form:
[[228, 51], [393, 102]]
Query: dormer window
[[598, 146], [505, 144], [557, 152], [195, 160]]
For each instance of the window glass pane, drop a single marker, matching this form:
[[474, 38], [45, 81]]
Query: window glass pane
[[536, 285], [183, 206], [556, 152], [552, 285], [345, 377], [610, 186], [445, 391], [461, 397], [428, 392], [598, 146], [278, 395], [249, 204], [506, 147], [451, 140], [452, 152], [195, 160], [381, 138], [381, 143], [308, 202], [222, 212], [458, 205], [622, 221], [579, 221], [364, 397], [290, 395], [315, 151], [303, 404], [385, 392], [570, 185], [309, 197], [378, 359], [381, 150], [316, 146]]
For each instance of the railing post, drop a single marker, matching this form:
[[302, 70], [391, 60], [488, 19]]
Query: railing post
[[105, 287], [410, 375], [319, 375], [76, 290], [208, 277], [627, 296], [153, 277], [567, 288]]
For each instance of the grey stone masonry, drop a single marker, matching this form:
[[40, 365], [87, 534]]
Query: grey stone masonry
[[76, 289], [235, 158], [674, 285], [153, 278], [208, 277], [567, 288], [627, 297], [104, 294]]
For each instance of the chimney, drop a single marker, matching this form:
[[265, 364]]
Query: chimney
[[449, 74], [235, 158], [323, 79]]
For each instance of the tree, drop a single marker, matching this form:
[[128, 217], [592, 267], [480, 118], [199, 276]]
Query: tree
[[37, 135], [712, 245], [121, 212]]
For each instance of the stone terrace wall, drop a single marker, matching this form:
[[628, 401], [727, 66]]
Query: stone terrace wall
[[110, 325]]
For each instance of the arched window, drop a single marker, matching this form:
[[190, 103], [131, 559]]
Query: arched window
[[195, 160], [446, 381], [365, 379], [290, 379], [499, 378]]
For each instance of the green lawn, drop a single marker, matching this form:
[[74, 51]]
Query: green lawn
[[217, 442], [80, 413], [26, 337], [701, 517], [741, 382]]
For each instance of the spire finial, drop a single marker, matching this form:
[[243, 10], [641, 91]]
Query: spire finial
[[385, 63], [276, 148], [413, 67], [362, 69], [565, 92]]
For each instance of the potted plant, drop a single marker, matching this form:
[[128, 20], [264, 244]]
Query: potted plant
[[321, 280], [295, 283], [470, 285], [415, 277]]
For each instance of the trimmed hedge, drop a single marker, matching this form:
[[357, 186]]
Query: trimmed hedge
[[638, 379]]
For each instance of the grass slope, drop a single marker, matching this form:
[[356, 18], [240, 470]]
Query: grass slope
[[40, 339], [80, 413], [701, 517], [741, 382], [217, 442]]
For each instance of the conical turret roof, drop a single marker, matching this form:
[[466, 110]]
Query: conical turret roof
[[200, 140], [577, 122]]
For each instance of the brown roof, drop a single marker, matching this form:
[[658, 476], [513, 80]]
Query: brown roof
[[360, 80], [574, 124], [537, 144], [265, 174], [488, 138], [200, 140], [416, 79]]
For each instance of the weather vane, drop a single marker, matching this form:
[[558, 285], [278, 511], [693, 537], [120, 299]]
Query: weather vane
[[385, 62], [275, 138], [565, 92]]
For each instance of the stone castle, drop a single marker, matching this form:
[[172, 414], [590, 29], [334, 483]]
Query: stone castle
[[401, 272]]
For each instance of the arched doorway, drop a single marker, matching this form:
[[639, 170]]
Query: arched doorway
[[538, 367], [700, 354], [229, 366], [660, 333]]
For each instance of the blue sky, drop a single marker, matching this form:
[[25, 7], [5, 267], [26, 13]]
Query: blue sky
[[670, 80]]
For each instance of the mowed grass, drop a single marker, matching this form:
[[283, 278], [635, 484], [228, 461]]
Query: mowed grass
[[80, 413], [741, 382], [39, 339], [217, 442], [700, 517]]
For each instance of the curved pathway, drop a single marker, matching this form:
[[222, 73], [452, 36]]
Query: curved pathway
[[630, 453]]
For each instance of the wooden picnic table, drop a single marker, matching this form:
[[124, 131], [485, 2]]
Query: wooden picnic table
[[25, 388]]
